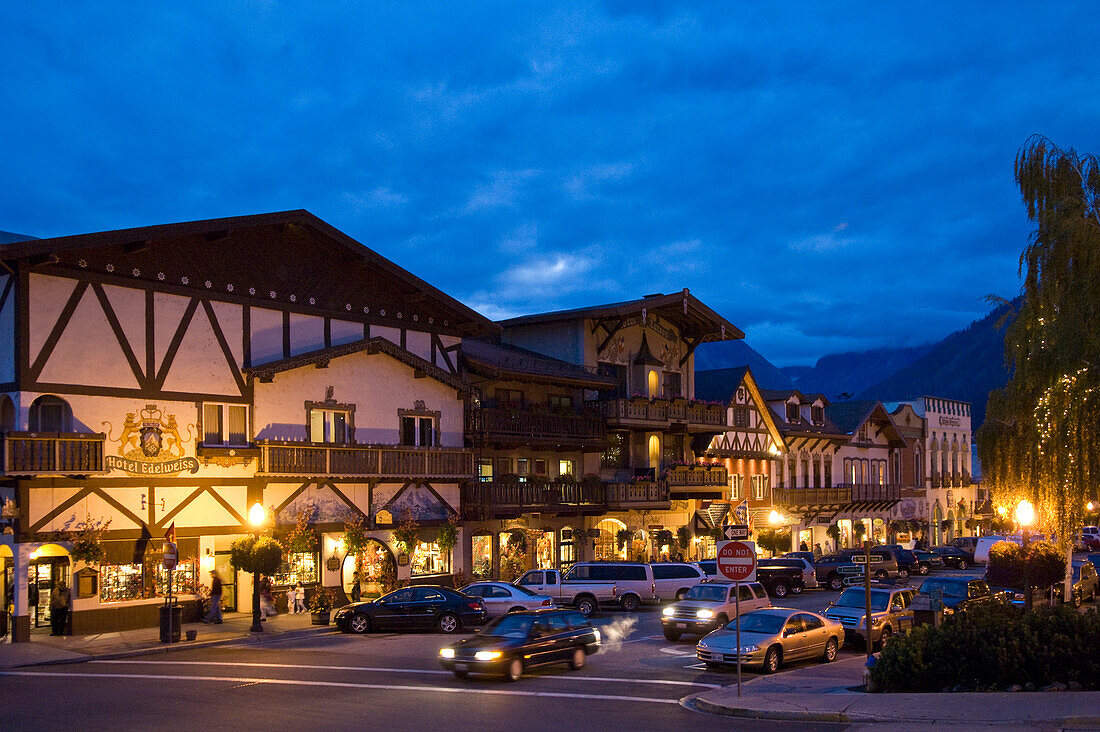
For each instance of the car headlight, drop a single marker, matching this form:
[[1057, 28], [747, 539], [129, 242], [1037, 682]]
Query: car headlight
[[447, 652], [875, 622], [598, 637], [704, 614], [668, 611], [487, 655], [749, 649]]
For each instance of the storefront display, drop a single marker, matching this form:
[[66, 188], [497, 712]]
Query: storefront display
[[482, 556], [298, 567], [428, 559], [184, 578], [544, 550], [120, 582]]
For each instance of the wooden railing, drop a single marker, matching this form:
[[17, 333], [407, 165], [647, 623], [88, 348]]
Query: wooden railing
[[836, 495], [523, 423], [639, 409], [636, 495], [678, 477], [363, 461], [490, 498], [72, 453]]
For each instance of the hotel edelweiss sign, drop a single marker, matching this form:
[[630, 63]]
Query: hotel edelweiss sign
[[150, 444]]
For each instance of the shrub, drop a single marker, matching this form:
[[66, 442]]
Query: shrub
[[1044, 564], [249, 554], [993, 646]]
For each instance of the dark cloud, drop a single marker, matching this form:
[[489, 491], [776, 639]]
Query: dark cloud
[[827, 176]]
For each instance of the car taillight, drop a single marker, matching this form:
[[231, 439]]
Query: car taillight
[[614, 591], [547, 602], [475, 605]]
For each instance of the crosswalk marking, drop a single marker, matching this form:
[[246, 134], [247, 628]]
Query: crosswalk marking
[[375, 669], [349, 685]]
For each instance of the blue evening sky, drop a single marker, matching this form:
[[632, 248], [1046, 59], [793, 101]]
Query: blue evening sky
[[828, 176]]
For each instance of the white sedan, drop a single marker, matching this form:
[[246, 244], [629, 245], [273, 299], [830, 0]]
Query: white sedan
[[501, 598]]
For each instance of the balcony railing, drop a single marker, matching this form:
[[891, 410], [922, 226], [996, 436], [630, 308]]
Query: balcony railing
[[490, 499], [52, 453], [711, 476], [663, 411], [641, 494], [363, 461], [526, 425], [837, 495]]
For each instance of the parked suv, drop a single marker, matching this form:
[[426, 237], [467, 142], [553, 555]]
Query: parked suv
[[780, 576], [672, 580], [710, 605], [846, 567], [890, 612], [907, 560]]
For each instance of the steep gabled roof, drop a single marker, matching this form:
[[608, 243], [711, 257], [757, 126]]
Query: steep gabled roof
[[850, 415], [687, 312], [501, 360], [283, 257], [719, 385], [370, 346]]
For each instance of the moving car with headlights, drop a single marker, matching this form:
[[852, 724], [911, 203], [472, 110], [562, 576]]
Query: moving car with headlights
[[710, 605], [772, 637], [501, 597], [513, 643], [890, 612], [413, 608]]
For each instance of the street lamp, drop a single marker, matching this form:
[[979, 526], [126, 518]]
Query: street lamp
[[1025, 516], [257, 516]]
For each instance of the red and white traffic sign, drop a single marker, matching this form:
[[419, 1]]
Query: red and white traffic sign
[[737, 561]]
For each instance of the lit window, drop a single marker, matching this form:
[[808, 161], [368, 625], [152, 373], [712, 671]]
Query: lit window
[[565, 467], [485, 470], [225, 424], [759, 487], [329, 426]]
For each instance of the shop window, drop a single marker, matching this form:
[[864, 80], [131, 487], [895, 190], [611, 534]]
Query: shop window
[[481, 555], [224, 424], [297, 567], [50, 414], [485, 470], [428, 559], [121, 582], [544, 550], [567, 549], [184, 578], [565, 467]]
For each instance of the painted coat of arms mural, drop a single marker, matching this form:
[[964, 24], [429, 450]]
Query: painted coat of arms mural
[[150, 443]]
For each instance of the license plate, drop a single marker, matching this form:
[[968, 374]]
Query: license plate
[[681, 625], [461, 666]]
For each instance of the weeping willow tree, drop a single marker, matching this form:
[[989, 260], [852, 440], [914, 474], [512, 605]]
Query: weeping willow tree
[[1041, 437]]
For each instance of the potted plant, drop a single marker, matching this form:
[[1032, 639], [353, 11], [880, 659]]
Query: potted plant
[[683, 537], [302, 539], [623, 537], [320, 606], [833, 532], [88, 541], [407, 535]]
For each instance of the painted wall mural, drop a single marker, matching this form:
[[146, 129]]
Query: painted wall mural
[[321, 506], [419, 502]]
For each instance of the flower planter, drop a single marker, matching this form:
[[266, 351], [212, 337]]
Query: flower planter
[[319, 618]]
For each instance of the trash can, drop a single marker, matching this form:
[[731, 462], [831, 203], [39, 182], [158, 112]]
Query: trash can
[[171, 621]]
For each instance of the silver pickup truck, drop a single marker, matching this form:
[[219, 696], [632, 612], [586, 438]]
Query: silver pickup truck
[[586, 596]]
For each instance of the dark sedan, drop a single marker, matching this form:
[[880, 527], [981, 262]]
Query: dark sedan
[[413, 608], [521, 640], [953, 594], [928, 561], [953, 556]]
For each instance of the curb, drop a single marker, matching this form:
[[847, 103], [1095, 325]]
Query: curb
[[256, 639], [706, 707]]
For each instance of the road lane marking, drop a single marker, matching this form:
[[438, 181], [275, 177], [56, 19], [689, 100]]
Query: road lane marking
[[432, 672], [350, 685]]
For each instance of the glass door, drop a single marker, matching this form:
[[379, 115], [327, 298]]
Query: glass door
[[43, 575]]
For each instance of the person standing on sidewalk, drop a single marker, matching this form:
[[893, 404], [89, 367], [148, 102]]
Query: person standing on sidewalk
[[59, 608], [300, 599], [267, 601], [214, 614]]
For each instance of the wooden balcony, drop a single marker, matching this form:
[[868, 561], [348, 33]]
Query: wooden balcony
[[52, 453], [697, 476], [637, 495], [522, 426], [313, 459], [511, 498], [662, 413], [838, 497]]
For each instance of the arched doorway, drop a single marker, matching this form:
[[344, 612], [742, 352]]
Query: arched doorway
[[377, 570], [49, 566], [654, 388], [607, 543], [567, 546], [7, 414], [937, 525]]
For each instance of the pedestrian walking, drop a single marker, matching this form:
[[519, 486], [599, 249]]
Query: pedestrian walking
[[300, 599], [356, 589], [817, 550], [214, 614], [59, 608], [803, 548], [267, 602]]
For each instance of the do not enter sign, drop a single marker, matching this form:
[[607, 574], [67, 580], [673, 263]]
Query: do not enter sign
[[737, 561]]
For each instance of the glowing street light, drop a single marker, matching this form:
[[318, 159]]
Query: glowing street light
[[1090, 506], [257, 516], [774, 518], [1025, 516], [1025, 513]]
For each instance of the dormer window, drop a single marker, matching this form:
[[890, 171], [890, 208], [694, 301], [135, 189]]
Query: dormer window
[[793, 412], [817, 414]]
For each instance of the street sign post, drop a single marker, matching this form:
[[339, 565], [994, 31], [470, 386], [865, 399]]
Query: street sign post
[[736, 532], [737, 561]]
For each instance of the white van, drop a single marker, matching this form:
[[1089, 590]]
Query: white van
[[981, 549]]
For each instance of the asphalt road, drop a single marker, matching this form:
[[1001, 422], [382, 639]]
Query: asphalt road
[[387, 681]]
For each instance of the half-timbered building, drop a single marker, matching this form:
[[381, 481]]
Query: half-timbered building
[[170, 377]]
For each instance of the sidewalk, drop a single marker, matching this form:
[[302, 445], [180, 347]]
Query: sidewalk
[[45, 649], [822, 693]]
